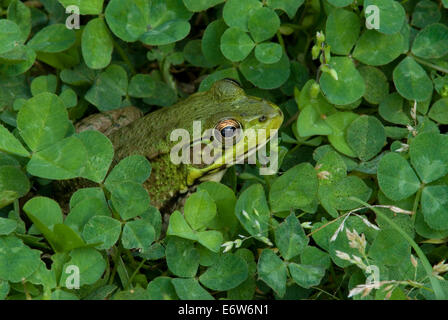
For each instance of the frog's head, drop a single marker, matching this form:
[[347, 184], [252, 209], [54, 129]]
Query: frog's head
[[234, 126]]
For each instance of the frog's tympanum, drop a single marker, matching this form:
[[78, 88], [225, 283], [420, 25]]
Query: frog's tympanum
[[225, 110]]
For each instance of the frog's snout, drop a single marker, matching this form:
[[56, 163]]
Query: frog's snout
[[265, 114], [280, 113], [275, 114]]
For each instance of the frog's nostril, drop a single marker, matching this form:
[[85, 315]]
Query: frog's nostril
[[262, 118]]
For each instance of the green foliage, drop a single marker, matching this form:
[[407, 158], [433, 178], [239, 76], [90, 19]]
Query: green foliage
[[363, 161]]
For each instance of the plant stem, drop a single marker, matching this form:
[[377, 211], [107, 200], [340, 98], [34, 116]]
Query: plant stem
[[325, 292], [166, 74], [124, 57], [17, 207], [429, 64], [416, 202], [135, 272], [291, 120], [280, 40], [435, 283], [326, 224], [114, 270], [130, 257]]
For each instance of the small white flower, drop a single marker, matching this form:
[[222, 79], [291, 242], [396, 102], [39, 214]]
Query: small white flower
[[238, 243], [365, 289], [414, 261], [227, 246], [306, 225], [440, 268], [413, 111], [267, 241], [343, 255], [323, 175], [335, 235], [388, 295], [369, 224], [389, 287], [404, 148], [356, 241], [358, 261], [357, 290], [399, 210]]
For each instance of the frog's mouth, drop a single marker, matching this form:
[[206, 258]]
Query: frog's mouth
[[239, 160], [248, 153]]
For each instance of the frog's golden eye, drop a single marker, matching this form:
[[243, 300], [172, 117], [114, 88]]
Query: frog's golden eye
[[228, 131]]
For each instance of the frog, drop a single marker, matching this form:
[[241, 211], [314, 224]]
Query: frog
[[225, 112]]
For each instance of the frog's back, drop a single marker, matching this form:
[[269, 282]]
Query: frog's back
[[150, 135]]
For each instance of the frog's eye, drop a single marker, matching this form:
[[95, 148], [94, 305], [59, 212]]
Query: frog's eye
[[228, 131]]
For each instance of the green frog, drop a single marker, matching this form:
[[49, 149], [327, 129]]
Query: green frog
[[224, 114]]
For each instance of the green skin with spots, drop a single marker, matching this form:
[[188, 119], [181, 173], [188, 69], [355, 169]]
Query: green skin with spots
[[150, 136]]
